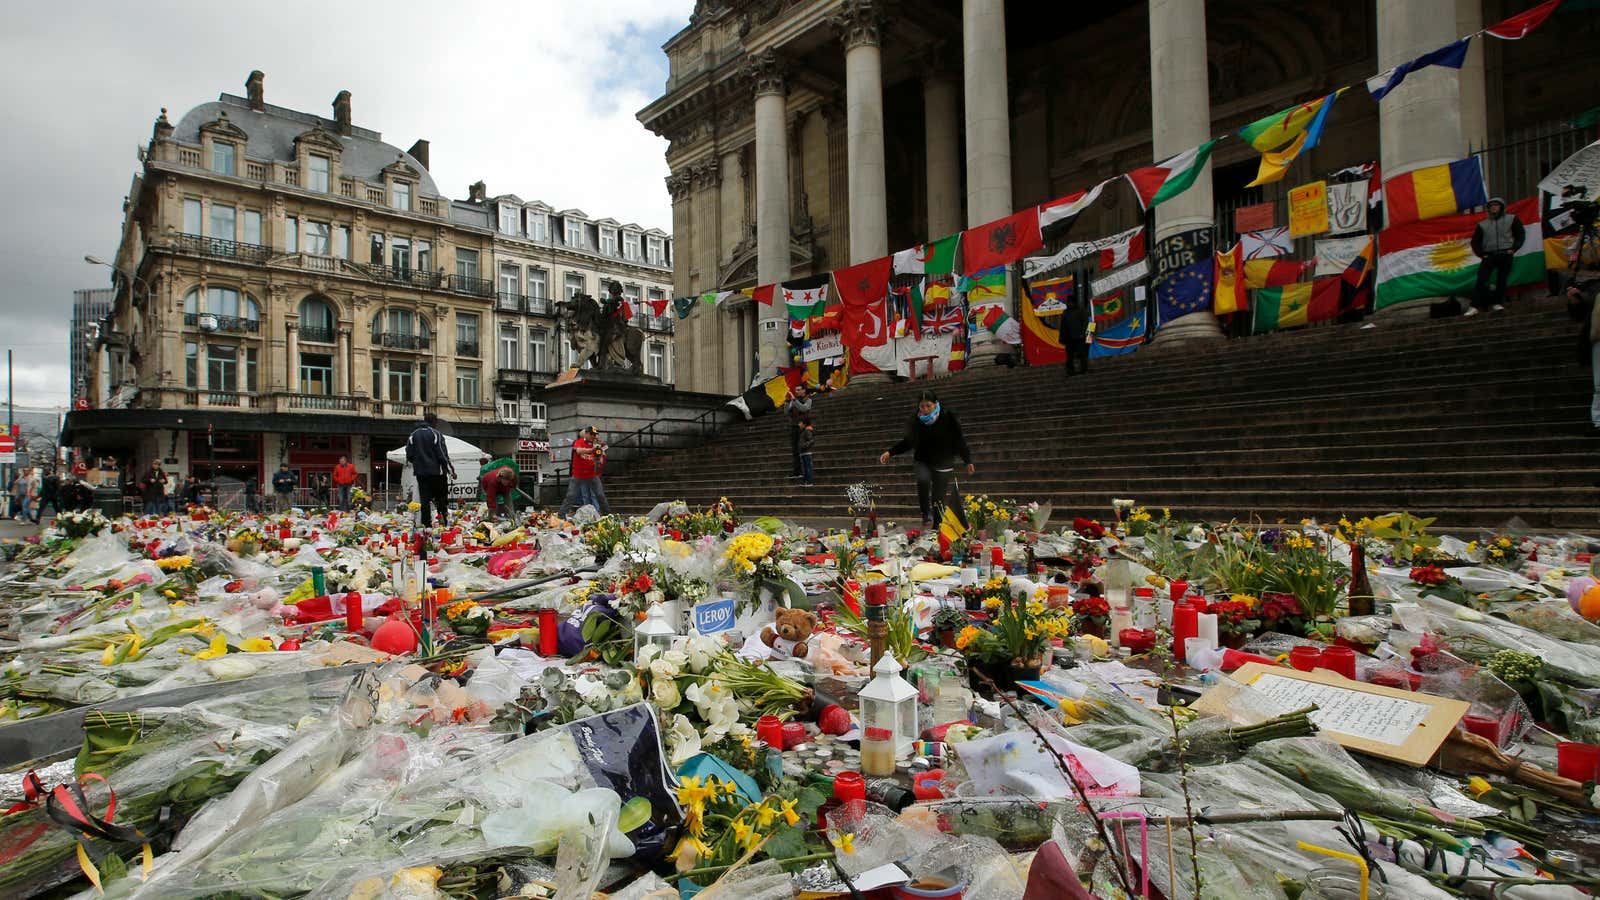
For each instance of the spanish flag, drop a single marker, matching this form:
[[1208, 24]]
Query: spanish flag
[[1231, 296]]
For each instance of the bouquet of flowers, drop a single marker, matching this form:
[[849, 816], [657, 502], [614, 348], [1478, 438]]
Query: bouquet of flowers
[[467, 617], [245, 542], [78, 525], [1501, 551], [1281, 613], [1236, 617], [986, 514], [1138, 522], [1303, 570], [1091, 615], [1015, 636], [607, 536], [1037, 514], [753, 555]]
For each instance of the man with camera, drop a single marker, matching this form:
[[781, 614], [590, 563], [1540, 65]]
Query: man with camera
[[584, 487], [1583, 262], [1495, 241]]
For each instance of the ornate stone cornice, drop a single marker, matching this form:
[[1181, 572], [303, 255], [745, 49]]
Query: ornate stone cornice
[[859, 23], [766, 71], [705, 174], [678, 184]]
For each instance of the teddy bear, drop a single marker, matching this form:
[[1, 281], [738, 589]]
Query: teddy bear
[[788, 633]]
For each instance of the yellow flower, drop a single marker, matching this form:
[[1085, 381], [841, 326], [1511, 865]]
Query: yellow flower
[[170, 593], [1246, 599], [744, 834], [967, 635], [845, 842], [789, 815], [174, 563], [991, 603], [413, 506], [728, 787], [219, 647], [256, 645], [1472, 547], [1477, 787], [692, 794], [765, 815]]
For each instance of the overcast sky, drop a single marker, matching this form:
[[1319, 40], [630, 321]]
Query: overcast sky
[[535, 97]]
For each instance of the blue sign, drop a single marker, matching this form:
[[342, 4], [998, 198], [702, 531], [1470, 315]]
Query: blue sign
[[713, 616]]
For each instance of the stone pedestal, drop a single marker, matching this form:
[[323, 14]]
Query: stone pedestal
[[619, 405], [1180, 118]]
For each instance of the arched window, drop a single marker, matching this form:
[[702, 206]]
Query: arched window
[[221, 309], [316, 320], [400, 328]]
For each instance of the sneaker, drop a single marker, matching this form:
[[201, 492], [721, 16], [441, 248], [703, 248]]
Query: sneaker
[[1499, 307], [1470, 313]]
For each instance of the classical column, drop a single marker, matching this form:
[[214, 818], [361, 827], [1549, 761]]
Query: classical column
[[772, 197], [941, 105], [988, 119], [1180, 118], [292, 357], [860, 23], [341, 364], [1419, 122], [1474, 95]]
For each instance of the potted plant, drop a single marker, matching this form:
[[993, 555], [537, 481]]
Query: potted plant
[[1237, 620], [1011, 649], [1091, 615], [947, 623]]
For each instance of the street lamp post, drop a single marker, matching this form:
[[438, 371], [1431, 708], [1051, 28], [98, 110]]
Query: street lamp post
[[130, 279]]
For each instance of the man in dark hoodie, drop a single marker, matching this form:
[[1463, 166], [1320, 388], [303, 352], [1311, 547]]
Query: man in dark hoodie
[[1495, 241], [935, 439], [1074, 336], [430, 462]]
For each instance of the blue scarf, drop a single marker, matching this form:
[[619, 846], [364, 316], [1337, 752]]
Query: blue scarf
[[930, 418]]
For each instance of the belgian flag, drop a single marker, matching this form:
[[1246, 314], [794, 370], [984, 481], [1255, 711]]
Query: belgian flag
[[769, 395]]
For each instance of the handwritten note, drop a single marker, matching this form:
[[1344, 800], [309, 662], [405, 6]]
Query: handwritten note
[[1387, 720]]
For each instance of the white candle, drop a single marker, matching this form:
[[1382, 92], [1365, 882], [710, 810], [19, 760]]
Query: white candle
[[969, 576], [1164, 607], [1121, 617], [1208, 629], [1144, 613]]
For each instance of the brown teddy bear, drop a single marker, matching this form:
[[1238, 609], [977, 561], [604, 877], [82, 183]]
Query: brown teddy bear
[[788, 633]]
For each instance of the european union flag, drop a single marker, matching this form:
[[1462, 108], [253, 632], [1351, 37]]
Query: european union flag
[[1185, 291]]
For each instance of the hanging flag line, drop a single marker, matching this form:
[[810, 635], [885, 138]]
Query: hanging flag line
[[1281, 138]]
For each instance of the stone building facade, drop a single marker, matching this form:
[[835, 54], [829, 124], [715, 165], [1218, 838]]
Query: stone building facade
[[806, 135]]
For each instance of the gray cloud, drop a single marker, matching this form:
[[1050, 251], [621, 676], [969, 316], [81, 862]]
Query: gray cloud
[[535, 97]]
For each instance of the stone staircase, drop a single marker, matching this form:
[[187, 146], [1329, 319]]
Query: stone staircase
[[1475, 421]]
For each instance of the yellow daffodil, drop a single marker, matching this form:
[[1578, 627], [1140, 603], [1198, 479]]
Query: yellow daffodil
[[729, 788], [744, 834], [692, 794], [846, 843], [205, 629], [789, 815], [174, 563], [170, 594], [256, 645], [765, 815], [1477, 787], [218, 648]]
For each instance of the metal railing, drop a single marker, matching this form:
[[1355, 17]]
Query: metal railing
[[476, 287], [402, 341], [219, 248], [316, 335], [538, 305], [467, 348], [1515, 168], [417, 278], [509, 301], [676, 433], [214, 322]]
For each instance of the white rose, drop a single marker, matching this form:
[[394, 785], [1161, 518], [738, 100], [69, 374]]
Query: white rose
[[664, 691], [664, 669], [646, 653], [676, 658]]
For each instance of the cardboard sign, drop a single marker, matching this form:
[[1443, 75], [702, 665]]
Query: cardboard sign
[[1308, 209], [1404, 726], [825, 346], [1254, 218], [714, 616], [1347, 207]]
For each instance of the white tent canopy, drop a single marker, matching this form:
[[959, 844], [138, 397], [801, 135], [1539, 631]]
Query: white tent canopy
[[463, 456]]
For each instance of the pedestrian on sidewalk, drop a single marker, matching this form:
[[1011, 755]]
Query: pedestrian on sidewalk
[[153, 489], [935, 440], [430, 462], [807, 445], [1074, 336], [1495, 241], [19, 493], [799, 405], [283, 485], [344, 478]]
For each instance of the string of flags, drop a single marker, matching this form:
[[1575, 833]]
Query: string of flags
[[967, 270]]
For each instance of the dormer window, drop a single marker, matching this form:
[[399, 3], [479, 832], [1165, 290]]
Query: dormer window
[[317, 167], [222, 158], [656, 258], [608, 241], [538, 225], [508, 220], [400, 196], [630, 245], [574, 232]]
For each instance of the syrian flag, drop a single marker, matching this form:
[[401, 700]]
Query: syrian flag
[[863, 290], [1057, 216], [1517, 27], [1161, 182], [1001, 242], [806, 297], [933, 258]]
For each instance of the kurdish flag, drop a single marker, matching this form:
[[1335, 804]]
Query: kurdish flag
[[1435, 191], [1165, 180], [1434, 258], [1296, 304], [933, 258]]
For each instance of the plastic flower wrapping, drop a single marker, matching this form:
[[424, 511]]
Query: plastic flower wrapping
[[338, 704]]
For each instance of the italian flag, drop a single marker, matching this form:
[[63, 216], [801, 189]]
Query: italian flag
[[1165, 180], [1433, 257]]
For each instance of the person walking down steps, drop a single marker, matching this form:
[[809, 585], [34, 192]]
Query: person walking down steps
[[807, 445]]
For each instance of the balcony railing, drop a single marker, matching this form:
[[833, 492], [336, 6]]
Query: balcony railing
[[214, 322], [400, 408], [316, 335], [509, 301], [401, 341], [476, 287], [467, 348], [514, 376], [419, 278], [229, 399], [222, 249], [321, 402], [539, 305]]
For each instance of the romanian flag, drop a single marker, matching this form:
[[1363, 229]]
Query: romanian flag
[[1265, 273], [1297, 304], [1435, 191], [1229, 280]]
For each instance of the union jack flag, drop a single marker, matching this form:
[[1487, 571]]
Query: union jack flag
[[944, 319]]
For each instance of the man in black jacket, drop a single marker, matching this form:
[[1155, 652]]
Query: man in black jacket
[[1495, 241], [1074, 336], [430, 463], [935, 439]]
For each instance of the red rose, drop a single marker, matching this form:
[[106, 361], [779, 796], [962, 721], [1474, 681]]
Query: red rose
[[1428, 575], [643, 584]]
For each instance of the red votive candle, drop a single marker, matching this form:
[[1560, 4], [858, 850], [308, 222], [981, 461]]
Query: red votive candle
[[1138, 640], [849, 786], [997, 556], [353, 613], [547, 632], [794, 734], [1305, 657], [1176, 590], [1580, 762], [769, 730], [1486, 727], [1196, 601], [1185, 624], [1341, 660]]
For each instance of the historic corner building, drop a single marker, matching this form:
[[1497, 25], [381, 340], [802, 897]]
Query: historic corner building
[[290, 288], [808, 135]]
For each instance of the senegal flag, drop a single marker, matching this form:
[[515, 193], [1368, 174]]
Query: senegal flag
[[1293, 305]]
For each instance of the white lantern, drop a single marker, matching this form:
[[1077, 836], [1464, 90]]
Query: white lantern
[[889, 701], [654, 631]]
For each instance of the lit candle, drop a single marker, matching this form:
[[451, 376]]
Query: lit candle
[[1208, 630]]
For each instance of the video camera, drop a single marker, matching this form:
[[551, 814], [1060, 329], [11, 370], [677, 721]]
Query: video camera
[[1577, 203]]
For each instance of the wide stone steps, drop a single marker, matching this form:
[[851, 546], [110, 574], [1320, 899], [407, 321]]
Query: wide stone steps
[[1475, 421]]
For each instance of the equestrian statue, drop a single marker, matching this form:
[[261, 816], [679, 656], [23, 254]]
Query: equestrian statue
[[599, 332]]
